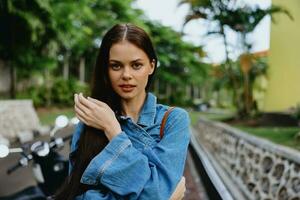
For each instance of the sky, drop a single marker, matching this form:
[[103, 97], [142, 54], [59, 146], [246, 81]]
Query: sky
[[170, 14]]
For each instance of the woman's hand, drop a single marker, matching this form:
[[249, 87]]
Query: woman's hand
[[178, 194], [97, 114]]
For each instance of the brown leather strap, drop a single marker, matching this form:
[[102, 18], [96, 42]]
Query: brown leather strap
[[162, 126]]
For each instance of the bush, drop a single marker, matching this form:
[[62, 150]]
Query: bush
[[62, 91], [297, 112], [37, 94], [60, 94]]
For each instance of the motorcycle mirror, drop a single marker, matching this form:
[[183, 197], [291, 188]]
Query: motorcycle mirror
[[61, 121], [74, 120], [4, 151]]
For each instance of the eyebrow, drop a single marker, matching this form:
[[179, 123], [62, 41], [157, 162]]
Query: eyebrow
[[136, 60]]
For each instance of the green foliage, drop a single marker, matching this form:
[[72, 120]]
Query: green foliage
[[220, 116], [36, 94], [42, 30], [296, 112], [242, 19], [280, 135], [232, 79], [25, 25], [61, 33], [178, 98], [179, 62], [61, 93]]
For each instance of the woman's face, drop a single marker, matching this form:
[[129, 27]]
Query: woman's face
[[128, 70]]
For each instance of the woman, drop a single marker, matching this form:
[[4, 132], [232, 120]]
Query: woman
[[116, 150]]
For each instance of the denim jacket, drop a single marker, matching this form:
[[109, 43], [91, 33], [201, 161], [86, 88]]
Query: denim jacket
[[137, 164]]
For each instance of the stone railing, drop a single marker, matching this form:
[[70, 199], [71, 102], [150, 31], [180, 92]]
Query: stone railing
[[260, 169], [17, 116]]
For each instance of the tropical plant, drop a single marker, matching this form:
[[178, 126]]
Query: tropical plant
[[242, 19], [180, 63]]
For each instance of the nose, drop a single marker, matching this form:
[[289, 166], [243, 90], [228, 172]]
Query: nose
[[126, 75]]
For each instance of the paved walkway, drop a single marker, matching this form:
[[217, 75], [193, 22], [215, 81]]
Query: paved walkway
[[194, 186]]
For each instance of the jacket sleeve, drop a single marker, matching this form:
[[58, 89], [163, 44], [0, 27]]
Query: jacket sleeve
[[96, 195], [152, 173]]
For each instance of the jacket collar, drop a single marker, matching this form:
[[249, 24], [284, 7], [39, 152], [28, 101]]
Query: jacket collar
[[148, 112]]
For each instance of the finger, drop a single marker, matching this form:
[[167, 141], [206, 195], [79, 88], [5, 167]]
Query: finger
[[180, 188], [85, 102], [98, 102], [81, 113], [87, 120], [182, 179], [81, 119], [81, 106]]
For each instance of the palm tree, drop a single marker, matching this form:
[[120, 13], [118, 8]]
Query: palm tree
[[242, 19]]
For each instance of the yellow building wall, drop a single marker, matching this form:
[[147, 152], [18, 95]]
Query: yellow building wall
[[283, 89]]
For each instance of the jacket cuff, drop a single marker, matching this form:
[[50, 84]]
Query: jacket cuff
[[104, 159]]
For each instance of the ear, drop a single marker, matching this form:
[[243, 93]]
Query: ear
[[152, 65]]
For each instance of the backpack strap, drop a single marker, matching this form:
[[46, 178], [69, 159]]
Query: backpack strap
[[162, 126]]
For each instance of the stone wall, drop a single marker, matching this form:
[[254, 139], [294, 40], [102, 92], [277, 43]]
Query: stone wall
[[17, 116], [261, 169]]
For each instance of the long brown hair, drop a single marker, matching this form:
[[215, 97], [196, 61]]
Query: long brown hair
[[92, 141]]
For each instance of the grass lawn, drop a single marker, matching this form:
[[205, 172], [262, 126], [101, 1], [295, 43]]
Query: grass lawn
[[212, 116], [47, 115], [281, 135]]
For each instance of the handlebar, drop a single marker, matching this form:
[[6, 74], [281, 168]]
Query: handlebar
[[55, 143], [22, 162], [13, 168], [67, 137]]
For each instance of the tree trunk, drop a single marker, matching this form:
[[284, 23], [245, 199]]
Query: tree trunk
[[48, 86], [156, 87], [188, 92], [168, 91], [13, 80], [66, 68], [228, 70], [82, 70], [225, 44], [246, 93]]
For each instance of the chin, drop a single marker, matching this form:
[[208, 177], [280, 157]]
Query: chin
[[127, 96]]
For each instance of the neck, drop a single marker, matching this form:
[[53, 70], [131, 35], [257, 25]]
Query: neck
[[132, 107]]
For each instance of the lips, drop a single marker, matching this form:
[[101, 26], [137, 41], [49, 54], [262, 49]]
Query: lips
[[127, 87]]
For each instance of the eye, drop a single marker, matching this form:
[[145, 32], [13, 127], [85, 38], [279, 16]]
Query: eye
[[115, 66], [137, 65]]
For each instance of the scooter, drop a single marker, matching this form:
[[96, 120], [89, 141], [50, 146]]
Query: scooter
[[49, 167]]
